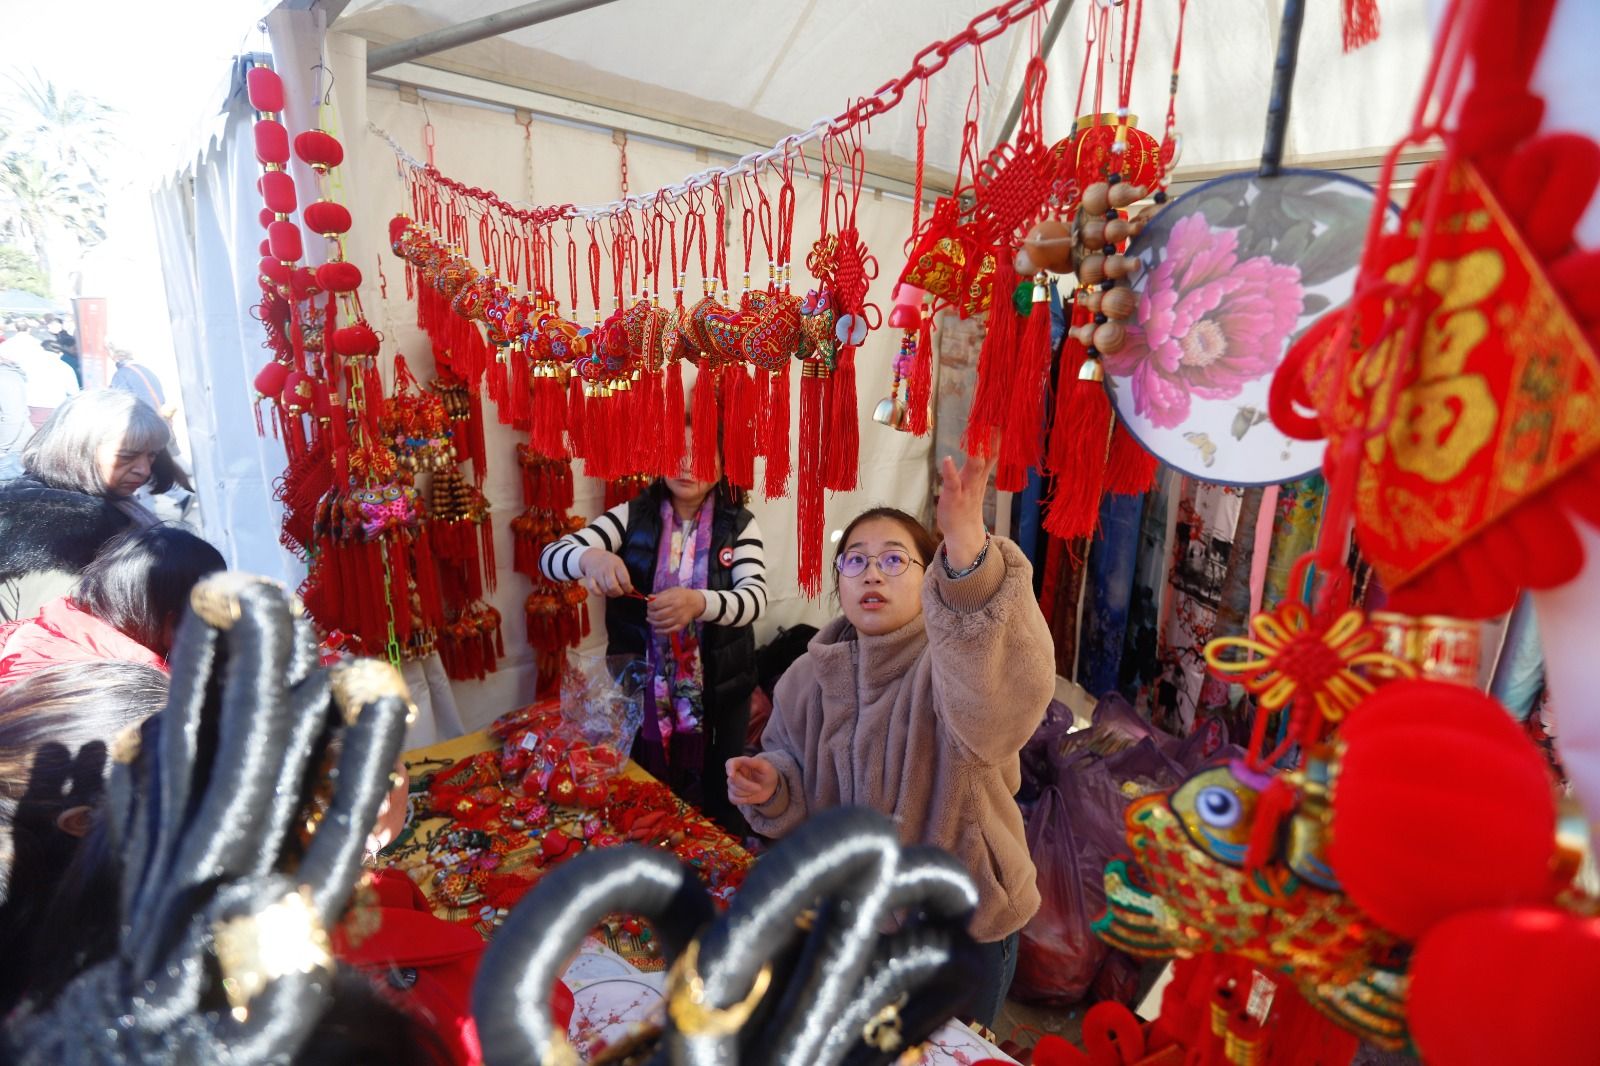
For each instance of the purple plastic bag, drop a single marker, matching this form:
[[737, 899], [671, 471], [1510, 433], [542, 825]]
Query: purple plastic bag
[[1086, 780]]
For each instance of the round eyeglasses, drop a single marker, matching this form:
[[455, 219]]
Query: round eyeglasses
[[890, 563]]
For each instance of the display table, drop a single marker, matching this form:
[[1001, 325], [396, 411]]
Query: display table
[[616, 978], [475, 844]]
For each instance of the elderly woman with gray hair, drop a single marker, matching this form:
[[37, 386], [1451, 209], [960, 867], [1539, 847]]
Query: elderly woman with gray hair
[[80, 471]]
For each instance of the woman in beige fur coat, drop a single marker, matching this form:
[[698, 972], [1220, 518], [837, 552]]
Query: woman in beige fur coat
[[916, 703]]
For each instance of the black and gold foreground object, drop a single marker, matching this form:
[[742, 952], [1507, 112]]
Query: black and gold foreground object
[[797, 971], [236, 820]]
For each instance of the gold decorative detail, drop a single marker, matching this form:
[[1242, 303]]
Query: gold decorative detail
[[686, 998], [215, 600], [882, 1030], [1440, 648], [360, 682], [126, 744], [255, 949]]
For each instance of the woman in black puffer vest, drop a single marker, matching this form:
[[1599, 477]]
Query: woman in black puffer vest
[[690, 619], [80, 471]]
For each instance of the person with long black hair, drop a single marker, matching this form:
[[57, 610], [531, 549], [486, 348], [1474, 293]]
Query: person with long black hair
[[127, 605]]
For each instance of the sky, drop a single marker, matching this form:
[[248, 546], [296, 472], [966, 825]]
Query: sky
[[165, 68]]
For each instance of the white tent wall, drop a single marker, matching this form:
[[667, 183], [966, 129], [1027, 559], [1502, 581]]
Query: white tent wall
[[1346, 109], [759, 69], [485, 147]]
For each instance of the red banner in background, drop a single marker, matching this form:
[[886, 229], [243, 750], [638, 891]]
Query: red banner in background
[[94, 360]]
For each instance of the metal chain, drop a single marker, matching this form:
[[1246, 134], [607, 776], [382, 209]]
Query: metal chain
[[928, 62]]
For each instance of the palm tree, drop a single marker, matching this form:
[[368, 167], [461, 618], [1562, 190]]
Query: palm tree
[[38, 198], [75, 127], [55, 148]]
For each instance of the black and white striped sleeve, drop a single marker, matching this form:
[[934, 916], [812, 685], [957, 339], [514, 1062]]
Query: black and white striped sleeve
[[745, 602], [560, 558]]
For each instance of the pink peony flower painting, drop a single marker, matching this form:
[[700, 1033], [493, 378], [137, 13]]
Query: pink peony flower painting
[[1207, 323]]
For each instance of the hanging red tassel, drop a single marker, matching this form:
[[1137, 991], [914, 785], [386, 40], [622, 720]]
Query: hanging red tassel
[[653, 424], [919, 387], [1130, 470], [704, 413], [1084, 427], [577, 417], [995, 361], [776, 446], [1022, 436], [548, 419], [1360, 24], [842, 455], [672, 421], [810, 518], [519, 390], [738, 427]]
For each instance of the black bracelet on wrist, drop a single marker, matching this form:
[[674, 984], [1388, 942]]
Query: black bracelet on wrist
[[956, 575]]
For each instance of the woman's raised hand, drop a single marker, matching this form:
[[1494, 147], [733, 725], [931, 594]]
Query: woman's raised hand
[[751, 781], [960, 509], [604, 573]]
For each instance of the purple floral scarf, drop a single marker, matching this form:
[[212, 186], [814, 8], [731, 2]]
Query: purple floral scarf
[[674, 723]]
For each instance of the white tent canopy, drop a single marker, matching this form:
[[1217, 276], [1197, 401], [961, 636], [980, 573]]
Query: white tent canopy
[[695, 83]]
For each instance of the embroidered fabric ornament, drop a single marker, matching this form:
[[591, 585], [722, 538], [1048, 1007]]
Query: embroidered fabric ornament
[[1193, 895]]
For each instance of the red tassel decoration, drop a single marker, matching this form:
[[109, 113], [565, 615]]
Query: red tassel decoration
[[705, 425], [652, 424], [548, 419], [520, 390], [776, 447], [738, 427], [1130, 470], [995, 360], [1023, 431], [810, 518], [1083, 429], [919, 387], [672, 421], [1360, 24], [842, 456], [577, 417]]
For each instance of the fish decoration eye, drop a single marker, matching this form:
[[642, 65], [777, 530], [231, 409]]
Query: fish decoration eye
[[1219, 807]]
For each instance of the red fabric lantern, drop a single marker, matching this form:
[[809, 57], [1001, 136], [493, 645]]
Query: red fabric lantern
[[327, 217], [1441, 805], [319, 149], [264, 248], [266, 217], [285, 240], [277, 192], [304, 284], [277, 272], [356, 339], [299, 392], [264, 88], [272, 142], [1461, 1015], [339, 276], [270, 379]]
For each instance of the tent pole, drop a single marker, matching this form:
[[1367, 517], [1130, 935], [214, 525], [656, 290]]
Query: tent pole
[[476, 30], [1052, 30]]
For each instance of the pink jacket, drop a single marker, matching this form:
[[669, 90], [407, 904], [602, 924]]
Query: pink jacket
[[64, 633], [925, 724]]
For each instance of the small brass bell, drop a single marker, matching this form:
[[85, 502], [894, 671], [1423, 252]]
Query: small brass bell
[[891, 412]]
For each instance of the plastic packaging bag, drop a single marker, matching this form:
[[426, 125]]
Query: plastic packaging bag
[[569, 753]]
